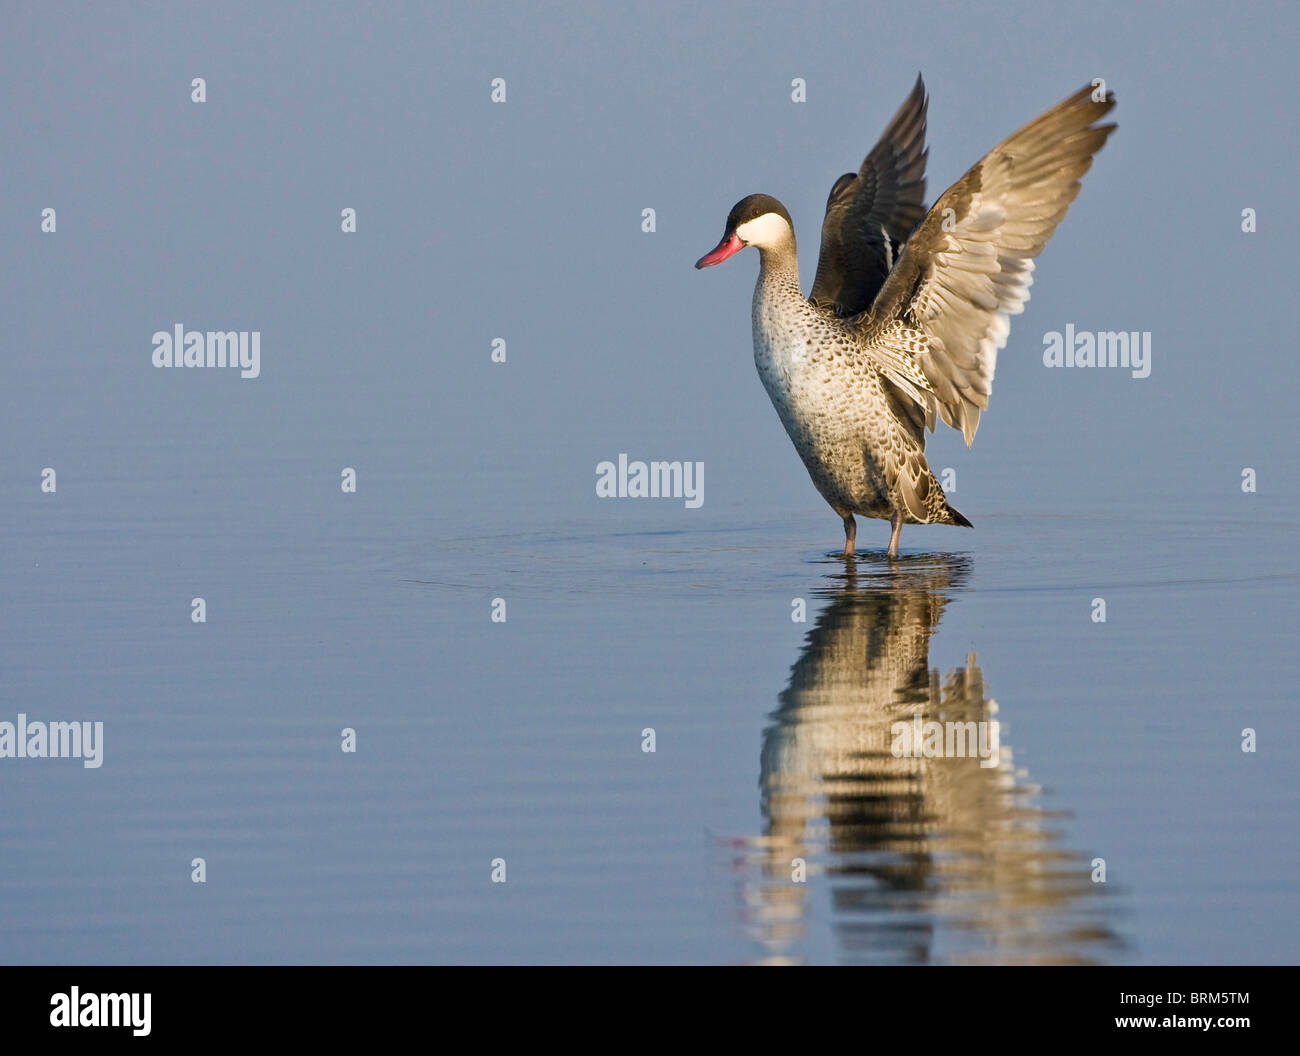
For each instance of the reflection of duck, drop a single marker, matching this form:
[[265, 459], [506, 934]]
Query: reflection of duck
[[928, 859]]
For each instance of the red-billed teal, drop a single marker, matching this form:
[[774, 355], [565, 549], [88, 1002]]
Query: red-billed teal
[[909, 307]]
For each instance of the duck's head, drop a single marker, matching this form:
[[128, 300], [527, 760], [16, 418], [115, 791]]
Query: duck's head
[[759, 221]]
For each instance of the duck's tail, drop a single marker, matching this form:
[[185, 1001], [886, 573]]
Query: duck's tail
[[957, 518]]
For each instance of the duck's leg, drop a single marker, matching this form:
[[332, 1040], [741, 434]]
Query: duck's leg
[[850, 535], [896, 523]]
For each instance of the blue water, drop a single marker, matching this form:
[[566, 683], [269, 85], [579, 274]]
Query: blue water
[[522, 740]]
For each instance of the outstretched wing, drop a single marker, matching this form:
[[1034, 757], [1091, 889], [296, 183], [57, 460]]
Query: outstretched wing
[[870, 215], [969, 265]]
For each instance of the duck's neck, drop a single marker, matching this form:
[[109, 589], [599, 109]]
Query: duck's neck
[[778, 272]]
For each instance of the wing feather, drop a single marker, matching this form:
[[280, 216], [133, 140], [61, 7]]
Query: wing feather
[[969, 265], [870, 214]]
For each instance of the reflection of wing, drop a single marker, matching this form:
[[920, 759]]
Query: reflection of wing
[[969, 265], [913, 846], [869, 215]]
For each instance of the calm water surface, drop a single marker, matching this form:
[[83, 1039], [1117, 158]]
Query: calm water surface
[[523, 740]]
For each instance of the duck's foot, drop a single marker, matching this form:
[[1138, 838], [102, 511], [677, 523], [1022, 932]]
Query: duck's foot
[[850, 535], [896, 523]]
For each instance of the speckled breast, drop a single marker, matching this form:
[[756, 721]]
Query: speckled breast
[[832, 407]]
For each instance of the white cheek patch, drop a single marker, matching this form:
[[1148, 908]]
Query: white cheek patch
[[765, 230]]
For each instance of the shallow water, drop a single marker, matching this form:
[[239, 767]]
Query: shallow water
[[523, 741]]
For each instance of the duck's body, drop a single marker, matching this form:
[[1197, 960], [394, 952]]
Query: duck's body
[[907, 314], [835, 408]]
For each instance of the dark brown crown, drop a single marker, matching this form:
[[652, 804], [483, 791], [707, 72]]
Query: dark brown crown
[[754, 206]]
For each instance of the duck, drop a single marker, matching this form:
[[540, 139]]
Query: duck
[[909, 306]]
